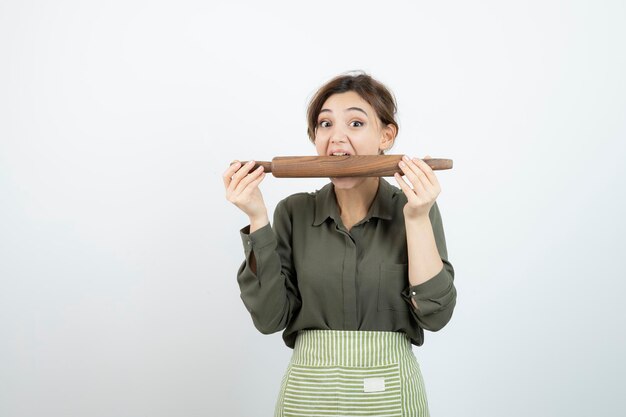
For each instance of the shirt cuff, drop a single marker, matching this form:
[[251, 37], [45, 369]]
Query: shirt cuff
[[257, 239], [432, 289]]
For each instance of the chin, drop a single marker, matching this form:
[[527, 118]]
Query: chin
[[346, 183]]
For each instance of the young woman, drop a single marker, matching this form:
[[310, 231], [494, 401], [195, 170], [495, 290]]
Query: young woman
[[353, 273]]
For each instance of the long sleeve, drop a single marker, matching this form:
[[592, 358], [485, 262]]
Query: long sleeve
[[305, 271], [271, 294], [435, 298]]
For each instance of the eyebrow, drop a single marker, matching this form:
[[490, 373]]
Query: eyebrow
[[348, 109]]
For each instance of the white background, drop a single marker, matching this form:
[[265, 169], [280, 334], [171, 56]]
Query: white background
[[119, 252]]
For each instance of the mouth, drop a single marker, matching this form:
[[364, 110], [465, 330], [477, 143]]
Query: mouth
[[339, 154]]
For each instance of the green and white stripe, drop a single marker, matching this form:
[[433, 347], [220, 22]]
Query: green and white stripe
[[352, 373]]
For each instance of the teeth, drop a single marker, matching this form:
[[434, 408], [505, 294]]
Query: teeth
[[339, 153]]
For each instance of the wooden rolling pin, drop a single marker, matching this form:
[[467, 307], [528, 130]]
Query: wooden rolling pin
[[340, 166]]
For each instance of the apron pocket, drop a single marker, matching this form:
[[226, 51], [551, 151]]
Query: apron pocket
[[345, 391]]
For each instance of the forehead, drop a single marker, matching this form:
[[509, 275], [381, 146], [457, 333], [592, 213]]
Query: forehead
[[343, 101]]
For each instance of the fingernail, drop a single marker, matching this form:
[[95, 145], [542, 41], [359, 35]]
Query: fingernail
[[402, 164], [406, 158]]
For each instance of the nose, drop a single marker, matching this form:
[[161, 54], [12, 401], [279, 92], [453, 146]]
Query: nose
[[338, 136]]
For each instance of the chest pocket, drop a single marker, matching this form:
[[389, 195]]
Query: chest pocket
[[393, 279]]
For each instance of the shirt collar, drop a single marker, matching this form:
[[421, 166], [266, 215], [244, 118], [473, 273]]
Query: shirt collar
[[326, 203]]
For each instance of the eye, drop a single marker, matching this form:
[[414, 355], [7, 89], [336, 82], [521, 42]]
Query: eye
[[356, 123], [324, 123]]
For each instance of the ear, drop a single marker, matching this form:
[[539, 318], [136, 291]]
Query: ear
[[388, 136]]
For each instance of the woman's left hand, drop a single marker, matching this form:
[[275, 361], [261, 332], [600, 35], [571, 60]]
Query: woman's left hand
[[422, 189]]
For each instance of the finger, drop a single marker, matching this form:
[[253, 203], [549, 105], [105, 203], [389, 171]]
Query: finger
[[233, 167], [414, 174], [427, 186], [406, 188], [228, 174], [248, 179], [251, 188], [429, 180], [256, 182], [421, 168], [419, 188], [418, 178], [241, 173], [428, 171]]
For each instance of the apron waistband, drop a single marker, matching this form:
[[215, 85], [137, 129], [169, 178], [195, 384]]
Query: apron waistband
[[358, 348]]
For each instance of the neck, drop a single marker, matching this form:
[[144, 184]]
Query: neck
[[355, 202]]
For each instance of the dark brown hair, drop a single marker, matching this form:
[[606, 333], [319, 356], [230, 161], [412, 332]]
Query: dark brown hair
[[373, 92]]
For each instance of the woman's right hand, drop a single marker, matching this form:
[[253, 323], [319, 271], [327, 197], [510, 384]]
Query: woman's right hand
[[242, 189]]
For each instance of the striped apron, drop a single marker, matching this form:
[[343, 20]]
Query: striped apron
[[352, 373]]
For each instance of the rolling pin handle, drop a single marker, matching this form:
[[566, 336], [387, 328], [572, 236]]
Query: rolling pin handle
[[267, 166]]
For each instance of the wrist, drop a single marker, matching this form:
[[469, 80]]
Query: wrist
[[258, 222], [417, 220]]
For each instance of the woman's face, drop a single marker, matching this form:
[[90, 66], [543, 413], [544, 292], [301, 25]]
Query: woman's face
[[347, 124]]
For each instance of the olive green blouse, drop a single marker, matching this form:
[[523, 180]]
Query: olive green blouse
[[312, 273]]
